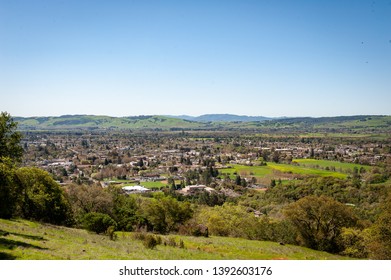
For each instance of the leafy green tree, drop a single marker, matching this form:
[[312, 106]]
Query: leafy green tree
[[10, 153], [319, 220], [166, 214], [380, 243], [42, 198], [125, 210], [354, 242], [230, 220], [9, 139], [86, 199], [9, 194]]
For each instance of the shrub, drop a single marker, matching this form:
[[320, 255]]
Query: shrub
[[111, 233], [150, 241], [98, 222], [170, 242], [139, 235]]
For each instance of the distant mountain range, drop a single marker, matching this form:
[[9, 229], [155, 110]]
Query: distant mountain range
[[347, 124]]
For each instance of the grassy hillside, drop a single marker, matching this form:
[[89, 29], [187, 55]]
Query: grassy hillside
[[104, 122], [358, 124], [21, 239], [350, 125]]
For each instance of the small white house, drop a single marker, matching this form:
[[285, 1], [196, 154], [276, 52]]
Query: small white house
[[135, 189]]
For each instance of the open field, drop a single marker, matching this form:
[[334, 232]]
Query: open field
[[287, 168], [306, 167], [21, 239], [340, 166]]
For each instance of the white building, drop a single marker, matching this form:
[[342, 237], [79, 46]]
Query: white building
[[135, 189]]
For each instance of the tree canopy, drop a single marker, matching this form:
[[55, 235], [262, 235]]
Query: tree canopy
[[9, 139], [320, 220]]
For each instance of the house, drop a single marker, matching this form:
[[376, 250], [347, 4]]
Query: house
[[193, 189]]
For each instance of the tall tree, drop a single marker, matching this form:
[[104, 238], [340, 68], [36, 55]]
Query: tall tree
[[320, 220], [9, 194], [9, 139]]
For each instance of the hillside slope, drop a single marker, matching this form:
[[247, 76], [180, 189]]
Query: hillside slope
[[347, 124], [21, 239], [104, 122]]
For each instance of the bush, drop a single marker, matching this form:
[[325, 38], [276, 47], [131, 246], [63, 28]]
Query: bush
[[170, 242], [98, 222], [150, 241], [139, 235], [111, 233]]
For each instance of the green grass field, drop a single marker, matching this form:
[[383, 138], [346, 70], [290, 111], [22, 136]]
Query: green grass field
[[278, 170], [287, 168], [150, 185], [26, 240], [341, 166]]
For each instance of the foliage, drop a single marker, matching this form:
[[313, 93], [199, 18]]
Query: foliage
[[150, 241], [9, 194], [86, 199], [365, 196], [229, 220], [319, 220], [125, 211], [111, 233], [98, 222], [380, 243], [354, 242], [42, 198], [9, 139], [165, 214]]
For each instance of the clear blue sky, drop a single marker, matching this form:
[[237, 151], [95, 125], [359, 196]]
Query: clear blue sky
[[263, 57]]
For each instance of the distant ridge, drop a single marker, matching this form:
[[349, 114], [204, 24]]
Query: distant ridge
[[211, 122], [223, 118]]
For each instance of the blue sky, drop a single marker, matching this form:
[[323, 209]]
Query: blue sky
[[264, 57]]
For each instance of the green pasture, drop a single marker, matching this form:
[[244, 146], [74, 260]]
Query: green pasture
[[26, 240], [150, 185], [292, 169], [305, 167], [343, 167], [244, 170]]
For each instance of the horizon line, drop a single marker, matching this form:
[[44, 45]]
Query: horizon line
[[192, 116]]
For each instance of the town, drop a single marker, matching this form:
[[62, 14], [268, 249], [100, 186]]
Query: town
[[170, 159]]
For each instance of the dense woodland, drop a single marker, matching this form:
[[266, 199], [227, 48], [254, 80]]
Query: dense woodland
[[75, 178]]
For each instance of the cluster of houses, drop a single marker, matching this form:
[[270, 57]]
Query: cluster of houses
[[97, 158]]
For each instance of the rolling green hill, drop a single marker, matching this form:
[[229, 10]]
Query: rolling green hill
[[104, 122], [349, 125], [25, 240]]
